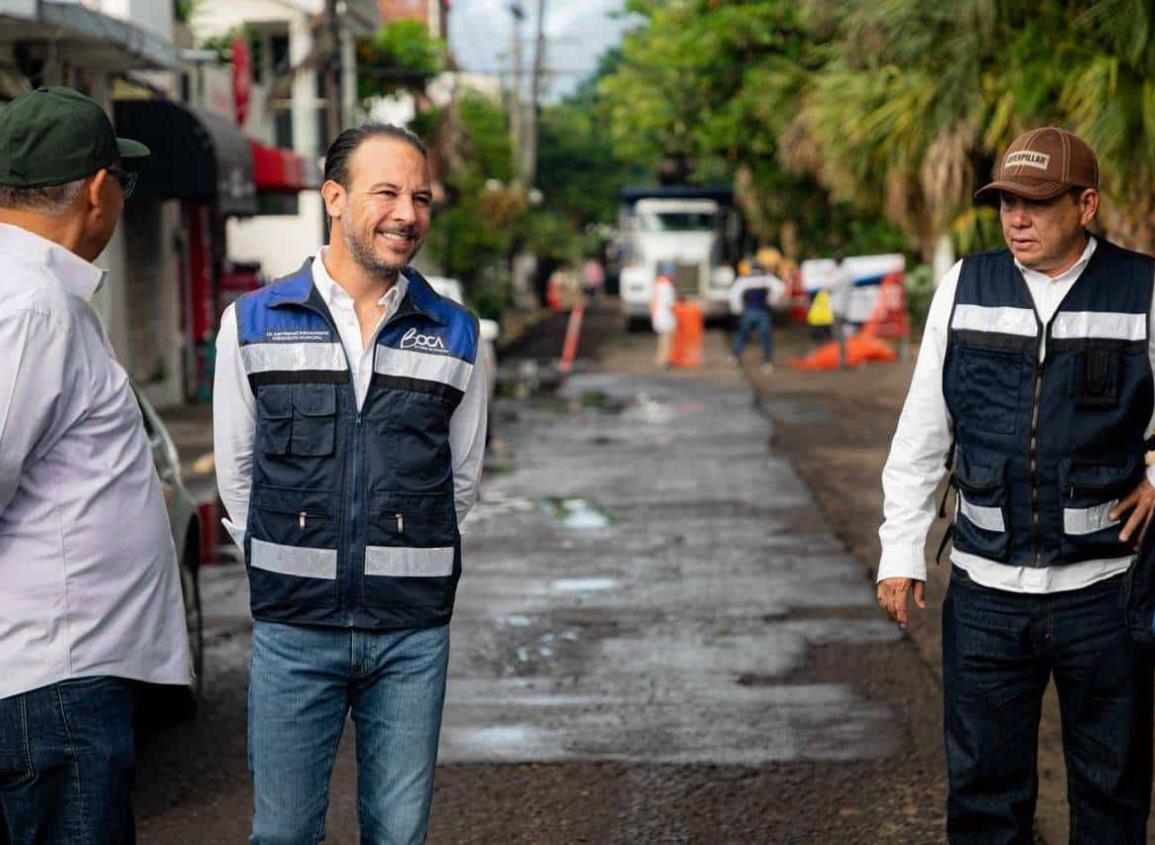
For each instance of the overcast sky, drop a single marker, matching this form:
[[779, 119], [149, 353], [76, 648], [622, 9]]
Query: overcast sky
[[577, 32]]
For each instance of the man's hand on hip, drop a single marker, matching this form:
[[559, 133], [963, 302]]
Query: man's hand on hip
[[1141, 503], [893, 595]]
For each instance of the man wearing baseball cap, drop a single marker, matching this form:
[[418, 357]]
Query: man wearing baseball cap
[[1034, 388], [90, 601]]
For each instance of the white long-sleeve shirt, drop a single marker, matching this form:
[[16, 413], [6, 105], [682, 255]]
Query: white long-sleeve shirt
[[774, 287], [234, 405], [918, 453], [89, 583]]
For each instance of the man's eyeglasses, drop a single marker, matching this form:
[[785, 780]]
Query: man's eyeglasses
[[126, 178]]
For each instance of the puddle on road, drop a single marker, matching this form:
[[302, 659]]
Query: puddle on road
[[577, 514], [601, 401]]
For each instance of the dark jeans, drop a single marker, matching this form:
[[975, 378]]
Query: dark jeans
[[66, 764], [761, 324], [999, 651]]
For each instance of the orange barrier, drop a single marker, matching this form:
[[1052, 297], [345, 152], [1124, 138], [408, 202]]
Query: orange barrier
[[889, 319], [573, 332], [687, 347], [553, 294], [859, 349]]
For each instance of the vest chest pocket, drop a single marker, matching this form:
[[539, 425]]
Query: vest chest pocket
[[992, 384], [1094, 381], [981, 522], [297, 419], [274, 418], [314, 419], [416, 442]]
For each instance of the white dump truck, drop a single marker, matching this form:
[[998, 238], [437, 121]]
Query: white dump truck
[[693, 233]]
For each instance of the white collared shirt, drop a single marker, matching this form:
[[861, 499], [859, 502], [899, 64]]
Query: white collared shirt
[[349, 327], [234, 406], [88, 575], [918, 453]]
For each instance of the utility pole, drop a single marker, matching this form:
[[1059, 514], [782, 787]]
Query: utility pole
[[528, 171], [332, 71], [516, 124]]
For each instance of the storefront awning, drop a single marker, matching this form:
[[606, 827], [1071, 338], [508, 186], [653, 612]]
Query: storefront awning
[[278, 169], [84, 37], [196, 154]]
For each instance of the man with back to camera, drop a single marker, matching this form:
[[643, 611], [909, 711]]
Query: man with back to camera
[[349, 428], [90, 602], [753, 296], [1035, 378]]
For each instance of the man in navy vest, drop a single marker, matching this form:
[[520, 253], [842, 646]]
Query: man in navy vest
[[753, 297], [1034, 385], [349, 427]]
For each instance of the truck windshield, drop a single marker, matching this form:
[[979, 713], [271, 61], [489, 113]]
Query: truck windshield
[[676, 221]]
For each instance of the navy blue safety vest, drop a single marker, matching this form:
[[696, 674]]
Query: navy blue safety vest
[[1045, 450], [755, 298], [351, 518]]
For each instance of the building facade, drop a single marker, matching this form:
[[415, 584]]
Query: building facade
[[294, 44], [434, 14], [97, 48]]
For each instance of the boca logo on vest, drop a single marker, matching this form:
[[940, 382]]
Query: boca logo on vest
[[423, 342]]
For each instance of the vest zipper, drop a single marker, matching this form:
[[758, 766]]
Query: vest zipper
[[1041, 355], [1036, 530], [356, 542]]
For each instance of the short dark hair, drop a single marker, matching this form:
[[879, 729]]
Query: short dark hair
[[345, 144]]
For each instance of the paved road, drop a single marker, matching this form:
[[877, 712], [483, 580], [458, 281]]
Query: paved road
[[667, 635], [648, 591]]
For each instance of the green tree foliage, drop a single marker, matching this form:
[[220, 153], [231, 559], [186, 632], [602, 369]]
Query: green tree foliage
[[481, 218], [400, 57], [745, 67], [896, 109], [486, 219]]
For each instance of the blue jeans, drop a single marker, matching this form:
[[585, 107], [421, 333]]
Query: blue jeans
[[303, 682], [67, 759], [760, 323], [999, 651]]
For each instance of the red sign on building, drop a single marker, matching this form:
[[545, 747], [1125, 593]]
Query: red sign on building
[[242, 78]]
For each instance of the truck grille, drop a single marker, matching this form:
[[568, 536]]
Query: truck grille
[[686, 278]]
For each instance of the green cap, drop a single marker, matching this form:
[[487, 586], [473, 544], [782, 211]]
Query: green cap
[[55, 135]]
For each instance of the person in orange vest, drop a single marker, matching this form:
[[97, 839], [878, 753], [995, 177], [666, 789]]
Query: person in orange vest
[[662, 318]]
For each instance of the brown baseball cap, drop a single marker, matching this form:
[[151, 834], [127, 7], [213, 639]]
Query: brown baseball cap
[[1043, 163]]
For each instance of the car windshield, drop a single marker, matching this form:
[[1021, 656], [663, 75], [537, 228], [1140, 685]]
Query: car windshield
[[676, 221]]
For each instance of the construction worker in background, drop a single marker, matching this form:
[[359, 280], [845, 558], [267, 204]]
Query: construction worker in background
[[820, 317], [840, 283], [593, 279], [662, 315], [753, 296]]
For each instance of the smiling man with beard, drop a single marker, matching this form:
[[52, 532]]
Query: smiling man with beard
[[349, 427]]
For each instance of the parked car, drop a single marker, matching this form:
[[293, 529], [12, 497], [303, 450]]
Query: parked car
[[490, 330], [165, 704]]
